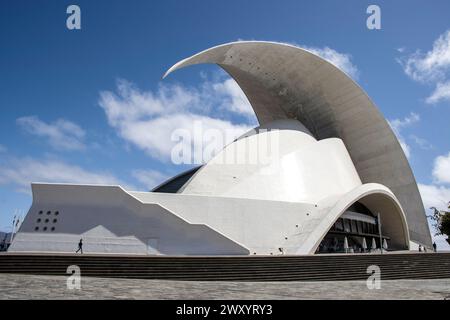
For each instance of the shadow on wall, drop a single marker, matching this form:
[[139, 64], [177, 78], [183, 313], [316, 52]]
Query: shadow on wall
[[112, 217], [392, 223]]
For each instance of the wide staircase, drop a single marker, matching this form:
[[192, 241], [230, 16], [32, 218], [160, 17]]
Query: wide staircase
[[235, 268]]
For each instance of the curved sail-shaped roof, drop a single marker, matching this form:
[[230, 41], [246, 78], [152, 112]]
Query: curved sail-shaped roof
[[282, 81]]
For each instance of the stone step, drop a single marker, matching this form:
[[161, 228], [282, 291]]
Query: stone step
[[249, 268]]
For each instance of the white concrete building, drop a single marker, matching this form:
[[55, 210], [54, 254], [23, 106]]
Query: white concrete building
[[337, 166]]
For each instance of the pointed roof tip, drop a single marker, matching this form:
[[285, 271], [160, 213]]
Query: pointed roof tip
[[176, 66], [165, 74], [170, 70]]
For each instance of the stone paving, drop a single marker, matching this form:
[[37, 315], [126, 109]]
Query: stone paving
[[14, 286]]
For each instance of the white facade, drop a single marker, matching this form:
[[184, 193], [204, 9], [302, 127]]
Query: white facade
[[285, 204], [301, 169]]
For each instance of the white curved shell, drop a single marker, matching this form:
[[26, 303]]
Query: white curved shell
[[286, 82], [296, 168]]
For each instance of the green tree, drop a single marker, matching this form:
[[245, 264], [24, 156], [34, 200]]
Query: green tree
[[441, 222]]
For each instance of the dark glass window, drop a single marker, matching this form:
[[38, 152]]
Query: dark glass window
[[360, 208], [176, 183], [339, 225], [346, 225], [359, 225], [365, 227], [353, 225], [56, 213], [36, 228]]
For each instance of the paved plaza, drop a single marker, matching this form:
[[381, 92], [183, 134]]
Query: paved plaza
[[13, 286]]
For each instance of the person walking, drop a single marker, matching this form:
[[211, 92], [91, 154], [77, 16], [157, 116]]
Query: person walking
[[80, 246], [434, 247]]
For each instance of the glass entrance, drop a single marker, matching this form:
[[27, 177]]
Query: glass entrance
[[356, 231]]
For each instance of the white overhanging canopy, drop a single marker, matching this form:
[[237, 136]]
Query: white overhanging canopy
[[282, 81]]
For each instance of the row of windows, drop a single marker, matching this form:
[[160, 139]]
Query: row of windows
[[44, 229], [46, 220], [49, 212], [354, 226]]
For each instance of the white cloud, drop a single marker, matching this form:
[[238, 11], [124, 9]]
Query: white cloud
[[148, 119], [438, 194], [438, 197], [398, 124], [61, 134], [422, 143], [440, 93], [149, 178], [432, 67], [21, 172], [405, 147], [441, 170], [434, 196], [340, 60], [234, 99], [405, 122]]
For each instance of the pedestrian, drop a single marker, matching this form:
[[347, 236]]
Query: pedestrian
[[80, 246], [420, 248], [434, 247]]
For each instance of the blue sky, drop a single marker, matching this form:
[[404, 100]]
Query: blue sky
[[71, 101]]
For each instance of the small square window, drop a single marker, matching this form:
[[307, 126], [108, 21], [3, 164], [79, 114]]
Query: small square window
[[40, 212], [53, 229], [36, 229], [46, 220], [56, 213], [48, 212], [45, 228], [55, 220], [38, 220]]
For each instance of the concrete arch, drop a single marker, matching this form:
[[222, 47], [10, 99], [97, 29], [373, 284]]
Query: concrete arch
[[376, 198], [282, 81]]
